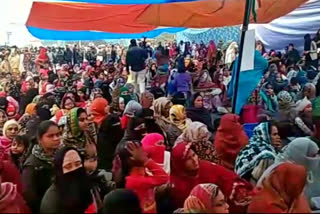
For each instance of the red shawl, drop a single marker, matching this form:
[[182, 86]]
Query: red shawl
[[10, 199], [229, 140], [233, 187]]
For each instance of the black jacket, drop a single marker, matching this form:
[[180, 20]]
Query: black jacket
[[136, 58], [36, 179]]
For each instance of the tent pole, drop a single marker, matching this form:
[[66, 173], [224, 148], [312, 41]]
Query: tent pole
[[245, 25]]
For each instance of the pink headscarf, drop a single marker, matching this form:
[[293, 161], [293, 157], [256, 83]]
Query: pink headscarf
[[154, 151]]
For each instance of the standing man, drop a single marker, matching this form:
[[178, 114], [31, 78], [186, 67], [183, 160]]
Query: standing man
[[135, 61]]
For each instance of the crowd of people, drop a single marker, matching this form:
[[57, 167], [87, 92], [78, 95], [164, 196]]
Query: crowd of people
[[149, 129]]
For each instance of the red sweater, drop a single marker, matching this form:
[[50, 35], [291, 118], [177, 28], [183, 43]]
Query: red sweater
[[143, 185]]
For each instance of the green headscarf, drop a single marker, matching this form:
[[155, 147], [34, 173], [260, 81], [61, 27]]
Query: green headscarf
[[125, 94]]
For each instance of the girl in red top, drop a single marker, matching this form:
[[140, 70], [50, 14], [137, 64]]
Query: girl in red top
[[134, 165]]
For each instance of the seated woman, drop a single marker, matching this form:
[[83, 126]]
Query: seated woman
[[304, 151], [10, 131], [198, 113], [68, 192], [187, 171], [131, 108], [206, 198], [304, 119], [179, 123], [67, 104], [134, 165], [198, 134], [229, 140], [20, 150], [153, 146], [269, 101], [256, 157], [281, 191]]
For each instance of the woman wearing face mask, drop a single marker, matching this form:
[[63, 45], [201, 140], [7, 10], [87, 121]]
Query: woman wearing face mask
[[305, 152], [134, 165], [79, 131], [187, 171], [197, 112], [10, 131], [153, 145], [281, 191], [131, 108], [259, 154], [71, 190], [206, 198], [38, 168], [99, 109], [136, 129]]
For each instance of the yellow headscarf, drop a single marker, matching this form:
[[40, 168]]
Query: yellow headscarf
[[31, 109], [178, 117]]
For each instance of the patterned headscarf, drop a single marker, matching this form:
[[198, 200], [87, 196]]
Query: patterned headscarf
[[178, 117], [259, 148], [201, 198], [285, 100], [146, 99]]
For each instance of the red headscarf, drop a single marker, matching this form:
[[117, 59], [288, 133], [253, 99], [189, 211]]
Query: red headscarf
[[236, 190], [43, 54], [98, 110], [212, 50], [229, 140], [154, 151], [281, 191]]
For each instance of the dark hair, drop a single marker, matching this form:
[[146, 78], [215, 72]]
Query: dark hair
[[44, 126], [194, 97], [80, 111], [22, 140], [121, 201], [291, 45]]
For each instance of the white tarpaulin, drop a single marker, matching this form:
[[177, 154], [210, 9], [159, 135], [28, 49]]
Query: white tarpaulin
[[290, 28]]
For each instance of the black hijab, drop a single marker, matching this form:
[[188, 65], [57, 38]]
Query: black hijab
[[73, 187], [200, 114], [133, 131], [307, 42]]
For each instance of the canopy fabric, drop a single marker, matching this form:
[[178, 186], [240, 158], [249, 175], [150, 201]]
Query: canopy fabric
[[129, 1], [93, 35], [224, 33], [83, 20], [213, 13], [290, 28]]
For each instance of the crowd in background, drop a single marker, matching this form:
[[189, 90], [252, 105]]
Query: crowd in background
[[148, 129]]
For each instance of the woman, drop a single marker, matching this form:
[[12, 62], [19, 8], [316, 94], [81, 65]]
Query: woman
[[178, 125], [38, 168], [304, 119], [68, 194], [9, 132], [130, 110], [281, 191], [79, 132], [146, 99], [304, 151], [229, 140], [30, 112], [206, 198], [187, 171], [99, 110], [136, 129], [67, 104], [198, 135], [114, 201], [153, 146], [256, 157], [20, 150], [268, 98], [125, 94], [110, 134], [3, 120], [197, 112], [134, 165], [131, 89]]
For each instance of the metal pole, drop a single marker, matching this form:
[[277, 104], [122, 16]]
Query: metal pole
[[245, 25]]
